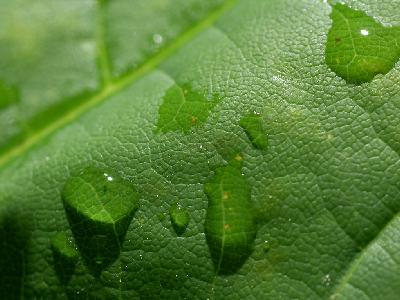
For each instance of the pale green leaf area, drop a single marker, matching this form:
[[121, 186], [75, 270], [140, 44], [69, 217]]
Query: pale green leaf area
[[321, 195]]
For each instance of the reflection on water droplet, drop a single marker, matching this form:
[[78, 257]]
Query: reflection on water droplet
[[179, 218], [99, 209]]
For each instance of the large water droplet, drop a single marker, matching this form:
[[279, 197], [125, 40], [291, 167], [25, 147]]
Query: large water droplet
[[358, 47], [253, 126], [230, 225], [99, 207], [179, 218], [65, 255]]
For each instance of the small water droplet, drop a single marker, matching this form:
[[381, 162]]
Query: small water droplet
[[266, 246], [157, 38], [179, 218]]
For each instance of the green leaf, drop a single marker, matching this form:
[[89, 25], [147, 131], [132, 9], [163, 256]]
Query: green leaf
[[312, 200]]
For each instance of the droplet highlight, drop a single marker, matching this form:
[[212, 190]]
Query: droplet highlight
[[252, 124], [230, 224], [179, 218], [266, 246], [358, 47], [99, 208]]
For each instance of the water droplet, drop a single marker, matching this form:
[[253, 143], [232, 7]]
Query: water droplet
[[65, 255], [253, 126], [157, 38], [183, 108], [358, 47], [179, 218], [266, 246], [99, 208], [230, 225]]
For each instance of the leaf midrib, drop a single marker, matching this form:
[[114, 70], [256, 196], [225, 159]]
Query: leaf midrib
[[111, 87]]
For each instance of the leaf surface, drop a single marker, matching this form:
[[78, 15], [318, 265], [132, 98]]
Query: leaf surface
[[324, 187]]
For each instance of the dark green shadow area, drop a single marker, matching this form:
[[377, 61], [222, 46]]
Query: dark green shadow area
[[65, 255], [253, 126], [99, 208], [14, 239], [358, 47], [183, 108], [230, 225], [8, 95]]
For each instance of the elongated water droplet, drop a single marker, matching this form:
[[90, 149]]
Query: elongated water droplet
[[230, 225], [99, 207], [358, 47], [179, 218], [253, 126], [65, 255]]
